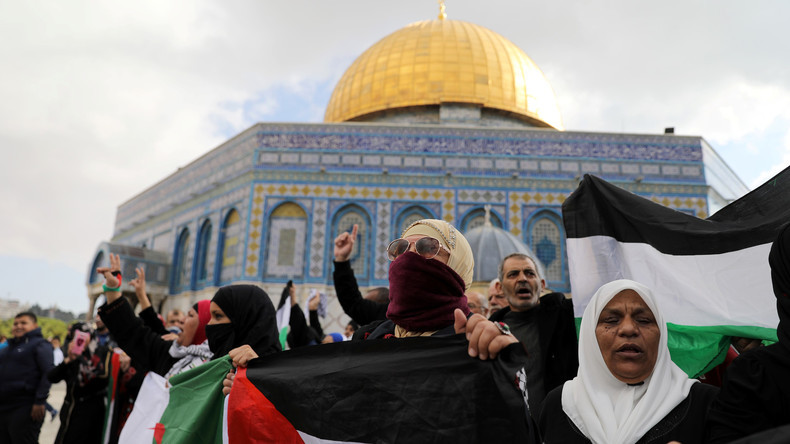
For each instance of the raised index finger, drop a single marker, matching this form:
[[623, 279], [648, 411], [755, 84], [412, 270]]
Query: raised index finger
[[354, 231]]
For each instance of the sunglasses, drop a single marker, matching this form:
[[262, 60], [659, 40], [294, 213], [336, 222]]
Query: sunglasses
[[427, 247]]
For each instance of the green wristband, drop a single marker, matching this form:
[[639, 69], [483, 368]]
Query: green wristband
[[106, 288]]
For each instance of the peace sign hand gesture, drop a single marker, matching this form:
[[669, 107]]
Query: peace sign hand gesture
[[110, 280]]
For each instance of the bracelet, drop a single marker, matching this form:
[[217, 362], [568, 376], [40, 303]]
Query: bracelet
[[106, 288], [503, 328]]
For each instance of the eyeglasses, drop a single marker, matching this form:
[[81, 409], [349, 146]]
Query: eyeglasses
[[427, 247]]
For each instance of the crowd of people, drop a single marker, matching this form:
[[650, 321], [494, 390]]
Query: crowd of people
[[613, 382]]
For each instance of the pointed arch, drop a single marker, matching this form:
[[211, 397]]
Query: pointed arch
[[408, 216], [287, 238], [546, 238], [202, 259], [230, 249], [182, 272], [477, 217], [344, 221]]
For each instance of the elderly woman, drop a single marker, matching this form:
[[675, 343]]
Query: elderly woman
[[628, 389], [755, 395]]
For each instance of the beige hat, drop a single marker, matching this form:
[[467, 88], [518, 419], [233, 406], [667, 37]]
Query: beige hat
[[461, 258]]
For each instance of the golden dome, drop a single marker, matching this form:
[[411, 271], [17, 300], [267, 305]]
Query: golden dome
[[444, 61]]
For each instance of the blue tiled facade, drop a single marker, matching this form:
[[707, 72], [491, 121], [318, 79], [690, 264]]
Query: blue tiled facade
[[384, 174]]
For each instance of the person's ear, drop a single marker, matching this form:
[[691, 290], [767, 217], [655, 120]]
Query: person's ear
[[498, 287]]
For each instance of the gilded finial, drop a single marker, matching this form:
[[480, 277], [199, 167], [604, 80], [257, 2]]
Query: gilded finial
[[442, 14]]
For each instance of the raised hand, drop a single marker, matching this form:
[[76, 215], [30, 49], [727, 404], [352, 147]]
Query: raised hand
[[344, 244], [138, 284], [109, 279]]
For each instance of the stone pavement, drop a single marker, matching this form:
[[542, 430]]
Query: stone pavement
[[50, 428]]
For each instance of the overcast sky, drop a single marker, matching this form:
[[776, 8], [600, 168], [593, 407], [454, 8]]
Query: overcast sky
[[99, 100]]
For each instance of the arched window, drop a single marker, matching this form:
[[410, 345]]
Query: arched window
[[97, 262], [182, 269], [344, 221], [286, 244], [409, 216], [231, 248], [204, 242], [477, 217], [545, 239]]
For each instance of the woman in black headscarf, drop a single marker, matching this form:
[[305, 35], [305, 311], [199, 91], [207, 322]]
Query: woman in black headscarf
[[243, 322], [755, 395]]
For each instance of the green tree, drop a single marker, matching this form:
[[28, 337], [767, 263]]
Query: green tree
[[49, 327]]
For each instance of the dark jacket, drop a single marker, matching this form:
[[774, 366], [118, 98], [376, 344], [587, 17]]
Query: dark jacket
[[302, 334], [685, 423], [361, 310], [146, 348], [83, 404], [558, 340], [24, 365], [151, 319]]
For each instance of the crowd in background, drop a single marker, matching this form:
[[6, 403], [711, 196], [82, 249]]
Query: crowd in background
[[613, 382]]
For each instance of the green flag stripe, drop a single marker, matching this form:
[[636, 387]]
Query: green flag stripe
[[698, 349]]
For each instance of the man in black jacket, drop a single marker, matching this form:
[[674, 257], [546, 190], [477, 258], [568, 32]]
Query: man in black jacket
[[544, 325], [24, 387]]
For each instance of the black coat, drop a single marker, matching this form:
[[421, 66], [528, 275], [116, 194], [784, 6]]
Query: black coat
[[83, 408], [146, 348], [361, 310], [558, 340], [685, 423]]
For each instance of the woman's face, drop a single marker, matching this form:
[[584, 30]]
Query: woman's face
[[217, 315], [189, 328], [628, 337], [443, 256]]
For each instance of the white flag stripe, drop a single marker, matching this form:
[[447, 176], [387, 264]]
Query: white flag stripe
[[731, 288], [148, 408], [310, 439]]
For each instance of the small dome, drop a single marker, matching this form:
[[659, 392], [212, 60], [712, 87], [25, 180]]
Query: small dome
[[433, 62], [490, 245]]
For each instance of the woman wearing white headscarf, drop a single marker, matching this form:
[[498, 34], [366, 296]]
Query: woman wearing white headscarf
[[628, 389]]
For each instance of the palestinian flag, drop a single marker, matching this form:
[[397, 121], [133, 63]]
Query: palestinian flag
[[186, 409], [283, 317], [112, 389], [392, 390], [711, 275]]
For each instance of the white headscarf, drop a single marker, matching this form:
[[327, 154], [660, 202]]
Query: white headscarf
[[606, 409]]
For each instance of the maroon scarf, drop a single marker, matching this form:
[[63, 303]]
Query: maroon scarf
[[424, 293]]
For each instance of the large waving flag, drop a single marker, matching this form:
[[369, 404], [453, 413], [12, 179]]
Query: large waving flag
[[396, 390], [711, 275], [186, 409]]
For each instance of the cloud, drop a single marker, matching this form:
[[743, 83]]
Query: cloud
[[102, 100]]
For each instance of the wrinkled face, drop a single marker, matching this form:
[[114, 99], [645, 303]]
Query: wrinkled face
[[190, 326], [443, 256], [496, 298], [475, 303], [521, 284], [22, 325], [628, 337], [217, 315]]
